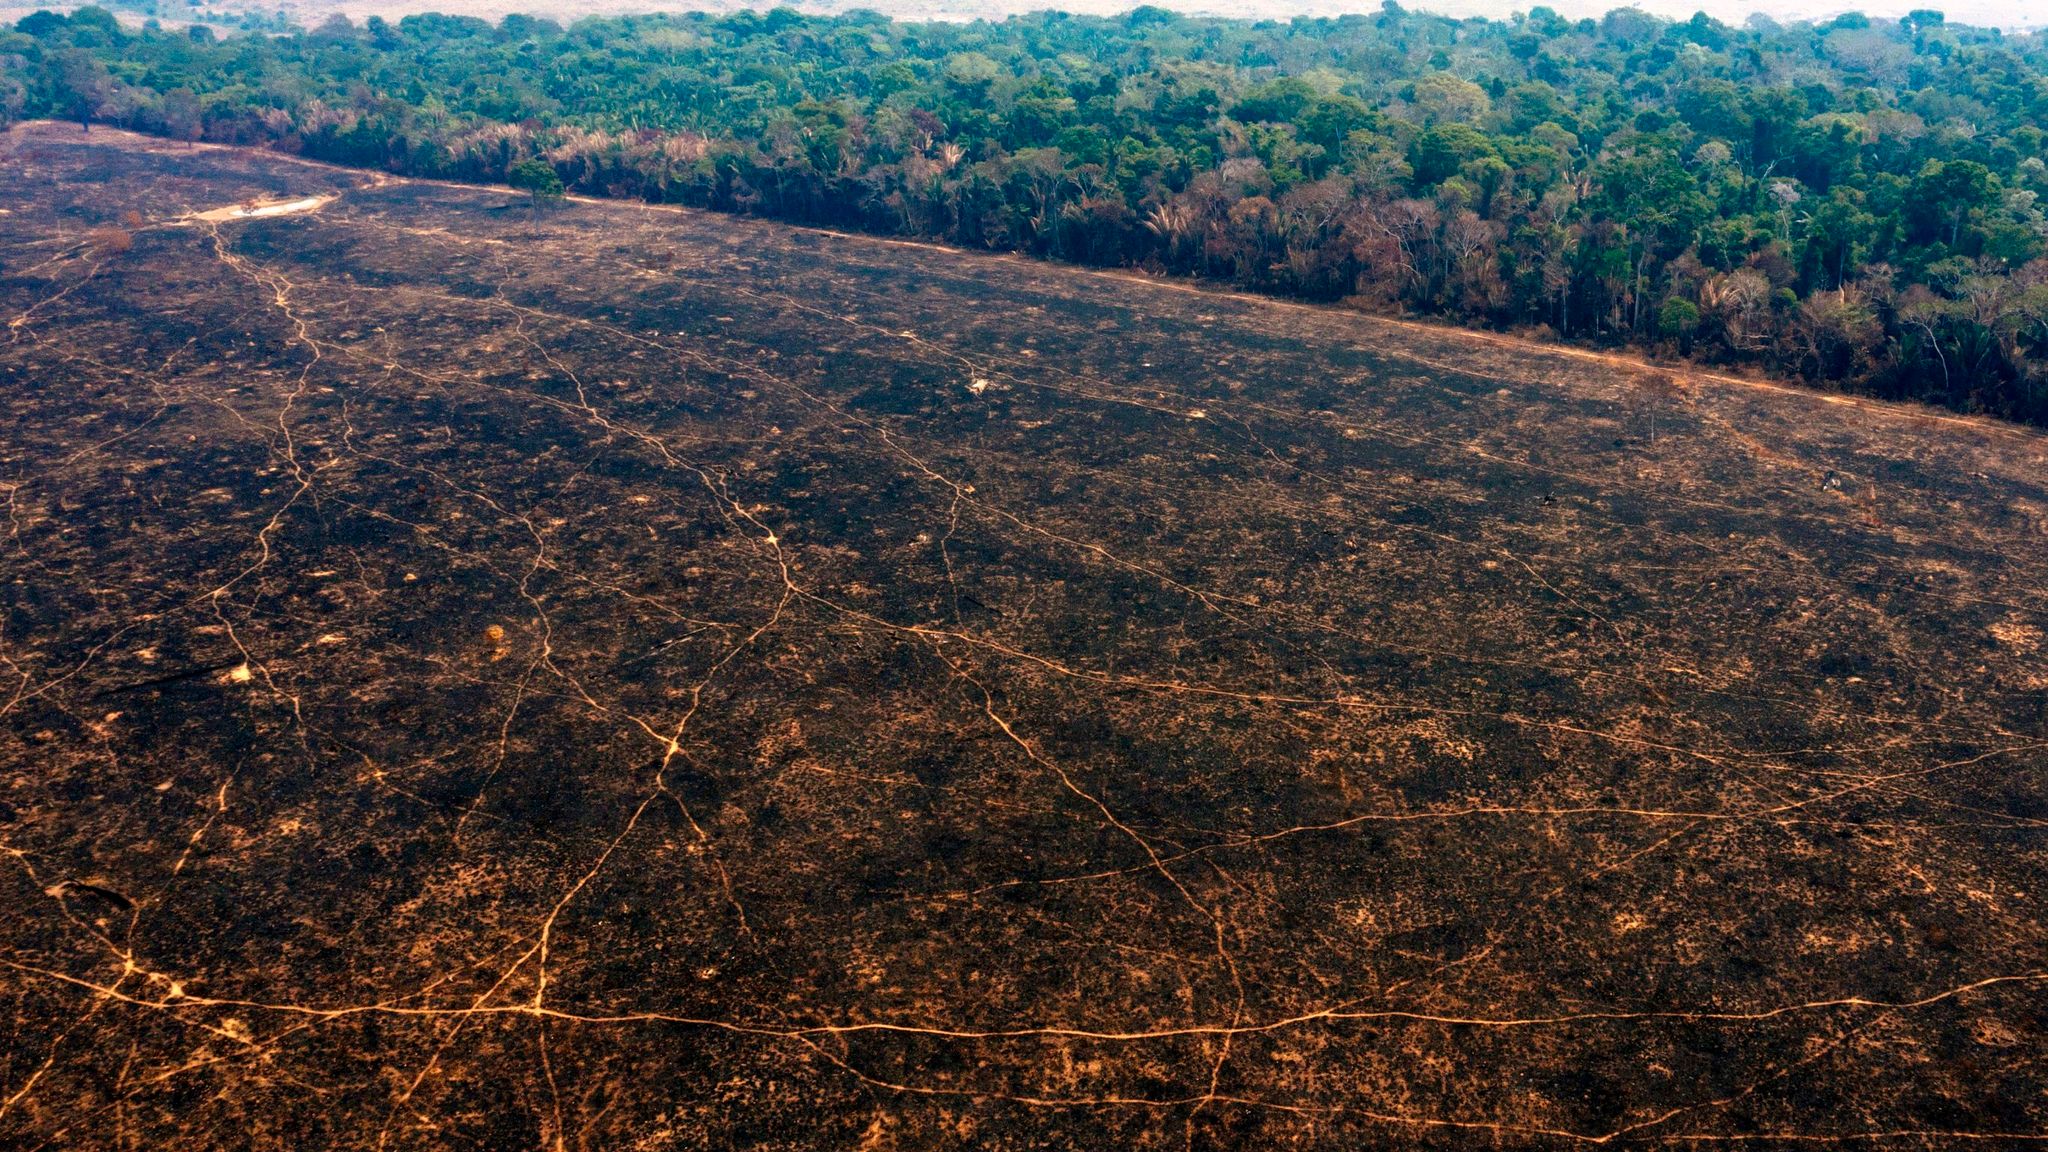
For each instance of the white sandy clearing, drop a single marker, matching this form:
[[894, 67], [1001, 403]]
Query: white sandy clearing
[[257, 208]]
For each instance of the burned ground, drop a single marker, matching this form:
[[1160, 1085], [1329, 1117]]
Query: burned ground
[[641, 679]]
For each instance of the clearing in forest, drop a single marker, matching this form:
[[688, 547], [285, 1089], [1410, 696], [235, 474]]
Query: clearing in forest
[[649, 679]]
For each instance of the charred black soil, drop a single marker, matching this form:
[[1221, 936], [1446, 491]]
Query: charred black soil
[[639, 679]]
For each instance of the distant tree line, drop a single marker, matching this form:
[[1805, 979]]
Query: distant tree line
[[1855, 202]]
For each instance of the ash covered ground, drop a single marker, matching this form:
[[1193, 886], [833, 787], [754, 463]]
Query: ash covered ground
[[644, 679]]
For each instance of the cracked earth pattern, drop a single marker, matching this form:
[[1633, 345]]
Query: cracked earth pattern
[[642, 679]]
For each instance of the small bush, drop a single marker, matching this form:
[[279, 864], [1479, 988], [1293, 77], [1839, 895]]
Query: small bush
[[110, 241]]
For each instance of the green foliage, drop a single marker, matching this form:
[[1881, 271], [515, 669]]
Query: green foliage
[[1440, 151], [1678, 317], [536, 178], [1280, 100], [1856, 200]]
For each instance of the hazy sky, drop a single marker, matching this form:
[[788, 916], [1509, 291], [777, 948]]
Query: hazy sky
[[2002, 13], [2009, 14]]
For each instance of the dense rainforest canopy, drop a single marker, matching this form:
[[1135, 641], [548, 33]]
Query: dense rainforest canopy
[[1856, 201]]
